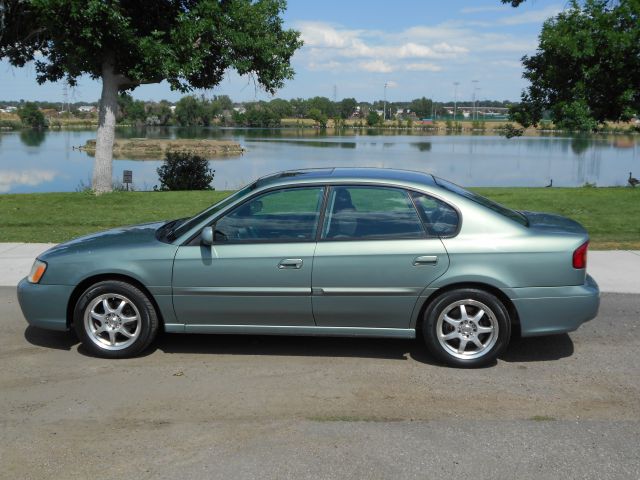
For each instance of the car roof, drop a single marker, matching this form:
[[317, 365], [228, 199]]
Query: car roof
[[346, 174]]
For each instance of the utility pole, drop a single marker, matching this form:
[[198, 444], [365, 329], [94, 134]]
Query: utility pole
[[475, 109], [455, 99], [335, 93], [65, 96], [384, 111]]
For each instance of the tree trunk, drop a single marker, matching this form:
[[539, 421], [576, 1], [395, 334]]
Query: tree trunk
[[102, 169]]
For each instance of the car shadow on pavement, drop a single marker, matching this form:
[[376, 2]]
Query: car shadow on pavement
[[50, 339], [539, 349], [534, 349], [391, 349]]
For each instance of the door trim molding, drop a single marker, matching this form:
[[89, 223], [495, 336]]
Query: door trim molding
[[243, 291], [299, 330]]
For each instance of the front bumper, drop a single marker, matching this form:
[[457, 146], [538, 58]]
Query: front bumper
[[550, 310], [44, 306]]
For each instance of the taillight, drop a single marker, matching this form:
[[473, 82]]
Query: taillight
[[580, 256]]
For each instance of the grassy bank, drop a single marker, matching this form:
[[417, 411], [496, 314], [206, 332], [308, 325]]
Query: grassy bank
[[612, 215]]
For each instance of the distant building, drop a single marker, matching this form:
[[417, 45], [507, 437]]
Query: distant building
[[9, 109], [87, 108]]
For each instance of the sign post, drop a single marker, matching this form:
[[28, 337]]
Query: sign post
[[127, 178]]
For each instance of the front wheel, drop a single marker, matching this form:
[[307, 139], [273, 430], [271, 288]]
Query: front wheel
[[466, 327], [115, 319]]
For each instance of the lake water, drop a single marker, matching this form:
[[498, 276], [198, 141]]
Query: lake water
[[32, 161]]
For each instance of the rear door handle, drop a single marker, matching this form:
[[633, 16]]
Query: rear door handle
[[425, 260], [295, 263]]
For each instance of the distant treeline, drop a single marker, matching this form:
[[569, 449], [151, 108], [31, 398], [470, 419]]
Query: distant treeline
[[194, 110]]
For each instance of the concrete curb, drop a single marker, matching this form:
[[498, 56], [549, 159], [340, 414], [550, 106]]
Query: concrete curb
[[616, 271]]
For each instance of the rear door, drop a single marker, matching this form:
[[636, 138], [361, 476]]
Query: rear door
[[373, 259]]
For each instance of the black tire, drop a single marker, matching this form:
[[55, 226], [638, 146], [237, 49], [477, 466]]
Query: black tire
[[472, 355], [137, 305]]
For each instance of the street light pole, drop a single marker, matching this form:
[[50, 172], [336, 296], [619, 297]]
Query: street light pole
[[384, 111], [475, 108], [455, 99]]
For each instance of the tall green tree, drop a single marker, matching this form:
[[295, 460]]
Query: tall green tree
[[347, 107], [31, 116], [188, 43], [587, 66], [421, 107]]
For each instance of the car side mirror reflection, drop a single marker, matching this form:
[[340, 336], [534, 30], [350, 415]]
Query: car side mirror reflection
[[207, 236]]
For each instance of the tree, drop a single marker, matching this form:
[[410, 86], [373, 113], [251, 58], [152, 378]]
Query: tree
[[318, 116], [185, 171], [31, 116], [346, 107], [587, 67], [281, 108], [373, 118], [189, 43], [190, 111], [421, 107]]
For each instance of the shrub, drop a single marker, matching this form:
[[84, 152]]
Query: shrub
[[31, 116], [185, 171]]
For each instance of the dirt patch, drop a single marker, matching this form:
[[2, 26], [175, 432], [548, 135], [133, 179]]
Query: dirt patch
[[150, 148]]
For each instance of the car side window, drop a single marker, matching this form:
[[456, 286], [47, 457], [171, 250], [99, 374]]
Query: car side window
[[355, 213], [440, 218], [287, 215]]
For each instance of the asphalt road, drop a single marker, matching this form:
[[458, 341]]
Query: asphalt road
[[276, 407]]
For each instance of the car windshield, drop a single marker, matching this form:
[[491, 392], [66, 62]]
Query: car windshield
[[196, 219], [485, 202]]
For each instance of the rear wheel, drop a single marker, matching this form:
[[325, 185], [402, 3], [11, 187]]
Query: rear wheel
[[466, 327], [115, 319]]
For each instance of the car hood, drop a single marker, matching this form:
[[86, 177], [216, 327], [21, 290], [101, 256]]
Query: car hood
[[553, 222], [129, 236]]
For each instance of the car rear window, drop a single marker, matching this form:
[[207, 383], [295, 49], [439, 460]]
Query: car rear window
[[485, 202]]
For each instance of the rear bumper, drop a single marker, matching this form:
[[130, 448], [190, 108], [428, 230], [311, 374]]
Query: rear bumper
[[44, 306], [550, 310]]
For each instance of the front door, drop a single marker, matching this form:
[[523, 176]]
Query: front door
[[373, 260], [258, 272]]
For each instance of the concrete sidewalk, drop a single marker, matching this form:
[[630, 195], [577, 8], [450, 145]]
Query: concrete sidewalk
[[616, 271]]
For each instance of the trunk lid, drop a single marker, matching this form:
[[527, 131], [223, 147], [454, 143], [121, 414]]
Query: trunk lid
[[551, 222]]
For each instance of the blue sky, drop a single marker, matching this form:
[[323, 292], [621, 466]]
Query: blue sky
[[417, 47]]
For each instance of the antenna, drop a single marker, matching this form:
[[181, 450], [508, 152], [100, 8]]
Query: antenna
[[335, 93]]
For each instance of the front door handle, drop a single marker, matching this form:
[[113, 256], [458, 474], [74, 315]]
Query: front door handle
[[295, 263], [425, 260]]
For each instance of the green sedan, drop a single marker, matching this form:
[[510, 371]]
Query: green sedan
[[341, 252]]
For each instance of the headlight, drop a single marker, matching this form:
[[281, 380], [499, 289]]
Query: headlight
[[37, 271]]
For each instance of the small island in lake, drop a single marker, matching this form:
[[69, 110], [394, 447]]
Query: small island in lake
[[155, 148]]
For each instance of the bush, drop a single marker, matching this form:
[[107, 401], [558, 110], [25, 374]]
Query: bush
[[373, 118], [185, 171], [31, 116]]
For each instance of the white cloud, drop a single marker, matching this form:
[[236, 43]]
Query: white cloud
[[376, 66], [9, 179], [532, 16], [422, 67], [331, 65]]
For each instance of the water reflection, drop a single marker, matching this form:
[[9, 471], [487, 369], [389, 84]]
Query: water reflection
[[309, 143], [51, 164], [579, 145], [11, 180], [32, 137], [422, 146]]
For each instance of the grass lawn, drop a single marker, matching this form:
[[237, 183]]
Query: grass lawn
[[612, 215]]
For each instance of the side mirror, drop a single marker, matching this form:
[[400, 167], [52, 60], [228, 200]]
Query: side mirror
[[207, 236]]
